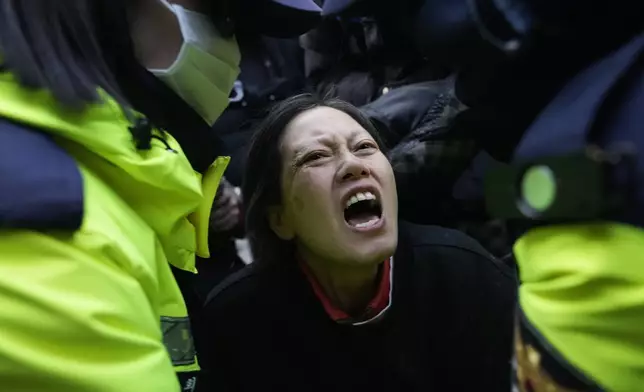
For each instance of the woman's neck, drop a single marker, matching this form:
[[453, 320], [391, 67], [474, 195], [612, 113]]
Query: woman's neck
[[348, 287]]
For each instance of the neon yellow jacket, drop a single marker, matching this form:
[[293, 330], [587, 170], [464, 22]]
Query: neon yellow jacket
[[582, 289], [84, 311]]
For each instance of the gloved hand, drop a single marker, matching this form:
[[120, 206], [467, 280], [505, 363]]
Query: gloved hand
[[226, 208]]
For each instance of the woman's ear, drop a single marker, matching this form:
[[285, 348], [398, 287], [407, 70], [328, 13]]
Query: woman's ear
[[279, 223]]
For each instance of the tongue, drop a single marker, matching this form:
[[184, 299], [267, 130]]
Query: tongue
[[361, 217]]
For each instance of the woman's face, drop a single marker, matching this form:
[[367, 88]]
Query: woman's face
[[339, 200]]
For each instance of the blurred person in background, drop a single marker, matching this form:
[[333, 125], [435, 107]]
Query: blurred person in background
[[355, 60], [343, 295], [109, 171]]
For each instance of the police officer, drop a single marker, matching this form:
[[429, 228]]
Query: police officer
[[575, 184], [108, 172]]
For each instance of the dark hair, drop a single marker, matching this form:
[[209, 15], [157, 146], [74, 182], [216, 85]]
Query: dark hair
[[262, 181], [60, 46]]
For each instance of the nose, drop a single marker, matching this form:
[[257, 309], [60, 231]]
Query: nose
[[353, 168]]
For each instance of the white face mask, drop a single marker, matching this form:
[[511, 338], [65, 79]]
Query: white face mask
[[206, 67]]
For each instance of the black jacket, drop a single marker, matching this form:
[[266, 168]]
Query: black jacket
[[353, 60], [449, 327]]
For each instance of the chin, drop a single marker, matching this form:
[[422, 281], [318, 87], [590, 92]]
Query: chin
[[376, 253]]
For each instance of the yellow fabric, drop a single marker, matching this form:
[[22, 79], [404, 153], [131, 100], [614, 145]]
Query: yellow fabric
[[81, 312], [137, 205], [201, 217], [583, 289]]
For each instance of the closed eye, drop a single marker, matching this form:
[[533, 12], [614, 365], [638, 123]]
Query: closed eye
[[312, 157], [366, 145]]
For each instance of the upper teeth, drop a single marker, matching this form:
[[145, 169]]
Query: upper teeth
[[359, 197]]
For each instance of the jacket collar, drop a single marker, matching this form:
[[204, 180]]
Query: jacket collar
[[376, 308]]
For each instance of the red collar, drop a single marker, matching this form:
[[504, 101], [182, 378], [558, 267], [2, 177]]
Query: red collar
[[376, 307]]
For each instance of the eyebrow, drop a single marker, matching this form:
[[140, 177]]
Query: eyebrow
[[303, 148]]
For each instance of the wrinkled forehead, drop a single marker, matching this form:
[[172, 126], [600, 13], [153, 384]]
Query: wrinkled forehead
[[321, 125]]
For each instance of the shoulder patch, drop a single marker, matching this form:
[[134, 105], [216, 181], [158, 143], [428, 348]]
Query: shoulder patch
[[41, 187]]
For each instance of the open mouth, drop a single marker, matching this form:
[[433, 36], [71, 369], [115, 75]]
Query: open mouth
[[362, 210]]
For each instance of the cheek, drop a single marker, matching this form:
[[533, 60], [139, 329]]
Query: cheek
[[385, 172], [305, 192], [392, 181], [298, 204]]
